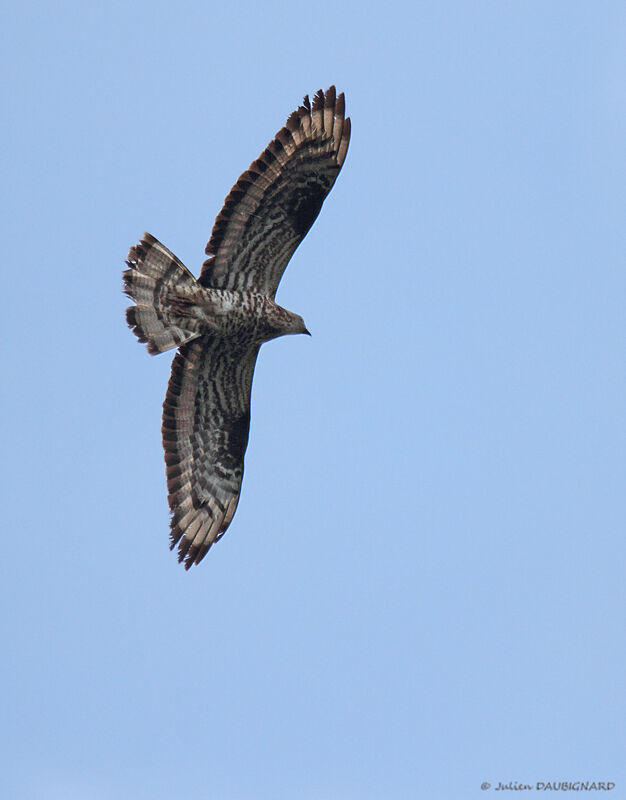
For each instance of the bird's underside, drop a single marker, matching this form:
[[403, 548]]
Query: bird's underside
[[220, 320]]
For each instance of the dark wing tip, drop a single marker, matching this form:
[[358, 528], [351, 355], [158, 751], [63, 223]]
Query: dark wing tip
[[148, 239], [293, 121], [131, 316], [318, 100], [196, 554], [189, 553]]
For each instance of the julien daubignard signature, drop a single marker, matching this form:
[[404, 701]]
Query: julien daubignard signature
[[539, 786]]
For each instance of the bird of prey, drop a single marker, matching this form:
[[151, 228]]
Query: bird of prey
[[219, 321]]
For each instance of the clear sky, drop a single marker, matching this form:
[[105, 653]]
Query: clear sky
[[423, 588]]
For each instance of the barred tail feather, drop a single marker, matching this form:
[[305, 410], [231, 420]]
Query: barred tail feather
[[152, 271]]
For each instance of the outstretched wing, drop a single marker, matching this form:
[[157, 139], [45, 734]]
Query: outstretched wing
[[274, 203], [206, 419]]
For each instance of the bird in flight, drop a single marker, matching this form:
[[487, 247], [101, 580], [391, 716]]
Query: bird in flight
[[219, 321]]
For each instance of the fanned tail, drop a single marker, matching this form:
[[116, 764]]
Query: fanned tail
[[153, 274]]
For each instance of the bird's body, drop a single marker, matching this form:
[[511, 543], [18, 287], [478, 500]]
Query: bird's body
[[198, 311], [219, 321]]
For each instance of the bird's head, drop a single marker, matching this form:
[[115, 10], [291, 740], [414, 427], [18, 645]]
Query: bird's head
[[298, 325], [286, 322]]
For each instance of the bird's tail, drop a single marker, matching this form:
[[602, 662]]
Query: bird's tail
[[158, 282]]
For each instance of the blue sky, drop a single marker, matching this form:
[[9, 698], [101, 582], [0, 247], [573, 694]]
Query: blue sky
[[423, 587]]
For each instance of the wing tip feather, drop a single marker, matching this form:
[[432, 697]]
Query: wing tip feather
[[318, 100]]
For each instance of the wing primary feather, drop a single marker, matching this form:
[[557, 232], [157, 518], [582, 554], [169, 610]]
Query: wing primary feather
[[329, 109], [345, 141], [338, 120], [317, 113], [318, 100]]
